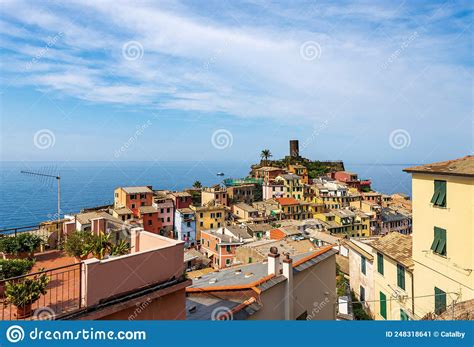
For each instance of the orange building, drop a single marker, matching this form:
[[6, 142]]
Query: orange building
[[219, 247], [133, 198], [301, 171]]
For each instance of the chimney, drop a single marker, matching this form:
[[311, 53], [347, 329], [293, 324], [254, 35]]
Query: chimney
[[274, 261], [289, 298]]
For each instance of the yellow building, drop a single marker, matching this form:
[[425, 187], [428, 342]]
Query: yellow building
[[209, 217], [393, 277], [293, 186], [299, 170], [443, 234]]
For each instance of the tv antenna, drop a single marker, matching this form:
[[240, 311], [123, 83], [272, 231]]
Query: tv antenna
[[58, 179]]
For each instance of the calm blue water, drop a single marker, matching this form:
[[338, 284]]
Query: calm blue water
[[27, 200]]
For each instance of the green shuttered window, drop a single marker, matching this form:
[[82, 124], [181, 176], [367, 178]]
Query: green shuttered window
[[403, 315], [363, 265], [440, 301], [380, 263], [383, 305], [439, 242], [401, 276], [439, 195]]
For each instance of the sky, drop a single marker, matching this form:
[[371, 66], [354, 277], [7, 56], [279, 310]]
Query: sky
[[363, 82]]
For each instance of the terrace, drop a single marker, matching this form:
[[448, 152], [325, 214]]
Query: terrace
[[82, 287]]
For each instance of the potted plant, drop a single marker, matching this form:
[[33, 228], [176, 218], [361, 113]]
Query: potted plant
[[13, 268], [76, 243], [22, 294], [98, 245], [120, 248], [28, 243], [9, 246]]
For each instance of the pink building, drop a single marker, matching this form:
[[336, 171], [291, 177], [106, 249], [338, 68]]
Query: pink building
[[273, 189]]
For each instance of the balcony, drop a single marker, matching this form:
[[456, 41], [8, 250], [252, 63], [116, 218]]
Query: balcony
[[82, 288]]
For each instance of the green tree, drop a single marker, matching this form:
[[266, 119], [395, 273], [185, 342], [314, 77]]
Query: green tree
[[265, 155], [197, 184]]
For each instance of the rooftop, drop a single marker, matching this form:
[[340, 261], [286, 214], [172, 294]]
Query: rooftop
[[287, 201], [224, 238], [185, 210], [457, 167], [123, 210], [396, 246], [85, 218], [180, 194], [239, 231], [246, 207], [148, 209], [137, 190]]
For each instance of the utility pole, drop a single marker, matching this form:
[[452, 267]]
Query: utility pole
[[58, 178]]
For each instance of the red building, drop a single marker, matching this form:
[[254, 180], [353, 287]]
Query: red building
[[151, 219], [220, 248], [133, 198], [351, 179], [181, 199]]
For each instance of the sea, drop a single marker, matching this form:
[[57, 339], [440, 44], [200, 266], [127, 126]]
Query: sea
[[27, 199]]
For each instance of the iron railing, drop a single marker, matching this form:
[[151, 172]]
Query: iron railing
[[63, 294]]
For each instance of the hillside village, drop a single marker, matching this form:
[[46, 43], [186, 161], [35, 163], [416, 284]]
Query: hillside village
[[296, 239]]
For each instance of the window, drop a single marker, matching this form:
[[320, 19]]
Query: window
[[362, 294], [250, 260], [403, 315], [227, 248], [133, 197], [168, 210], [439, 196], [217, 247], [212, 225], [380, 263], [201, 224], [363, 264], [227, 261], [150, 222], [168, 219], [401, 276], [440, 301], [133, 205], [188, 224], [439, 242], [383, 305], [201, 215], [142, 196]]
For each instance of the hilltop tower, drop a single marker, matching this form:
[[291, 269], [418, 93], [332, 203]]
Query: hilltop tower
[[294, 149]]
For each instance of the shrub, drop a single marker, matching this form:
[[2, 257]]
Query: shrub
[[28, 242], [76, 242], [22, 243], [27, 291], [9, 245], [14, 267]]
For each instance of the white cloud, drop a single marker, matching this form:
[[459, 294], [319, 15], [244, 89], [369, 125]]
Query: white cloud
[[193, 63]]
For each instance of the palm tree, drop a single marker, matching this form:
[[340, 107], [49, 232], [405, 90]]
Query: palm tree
[[197, 184], [265, 155]]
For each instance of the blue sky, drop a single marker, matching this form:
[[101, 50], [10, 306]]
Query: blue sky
[[368, 82]]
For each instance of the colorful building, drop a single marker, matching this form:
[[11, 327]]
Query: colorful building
[[299, 170], [393, 277], [273, 189], [133, 198], [165, 208], [267, 173], [443, 229], [151, 220], [209, 217], [293, 185], [219, 247], [290, 208], [216, 195], [185, 226], [246, 193], [181, 199]]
